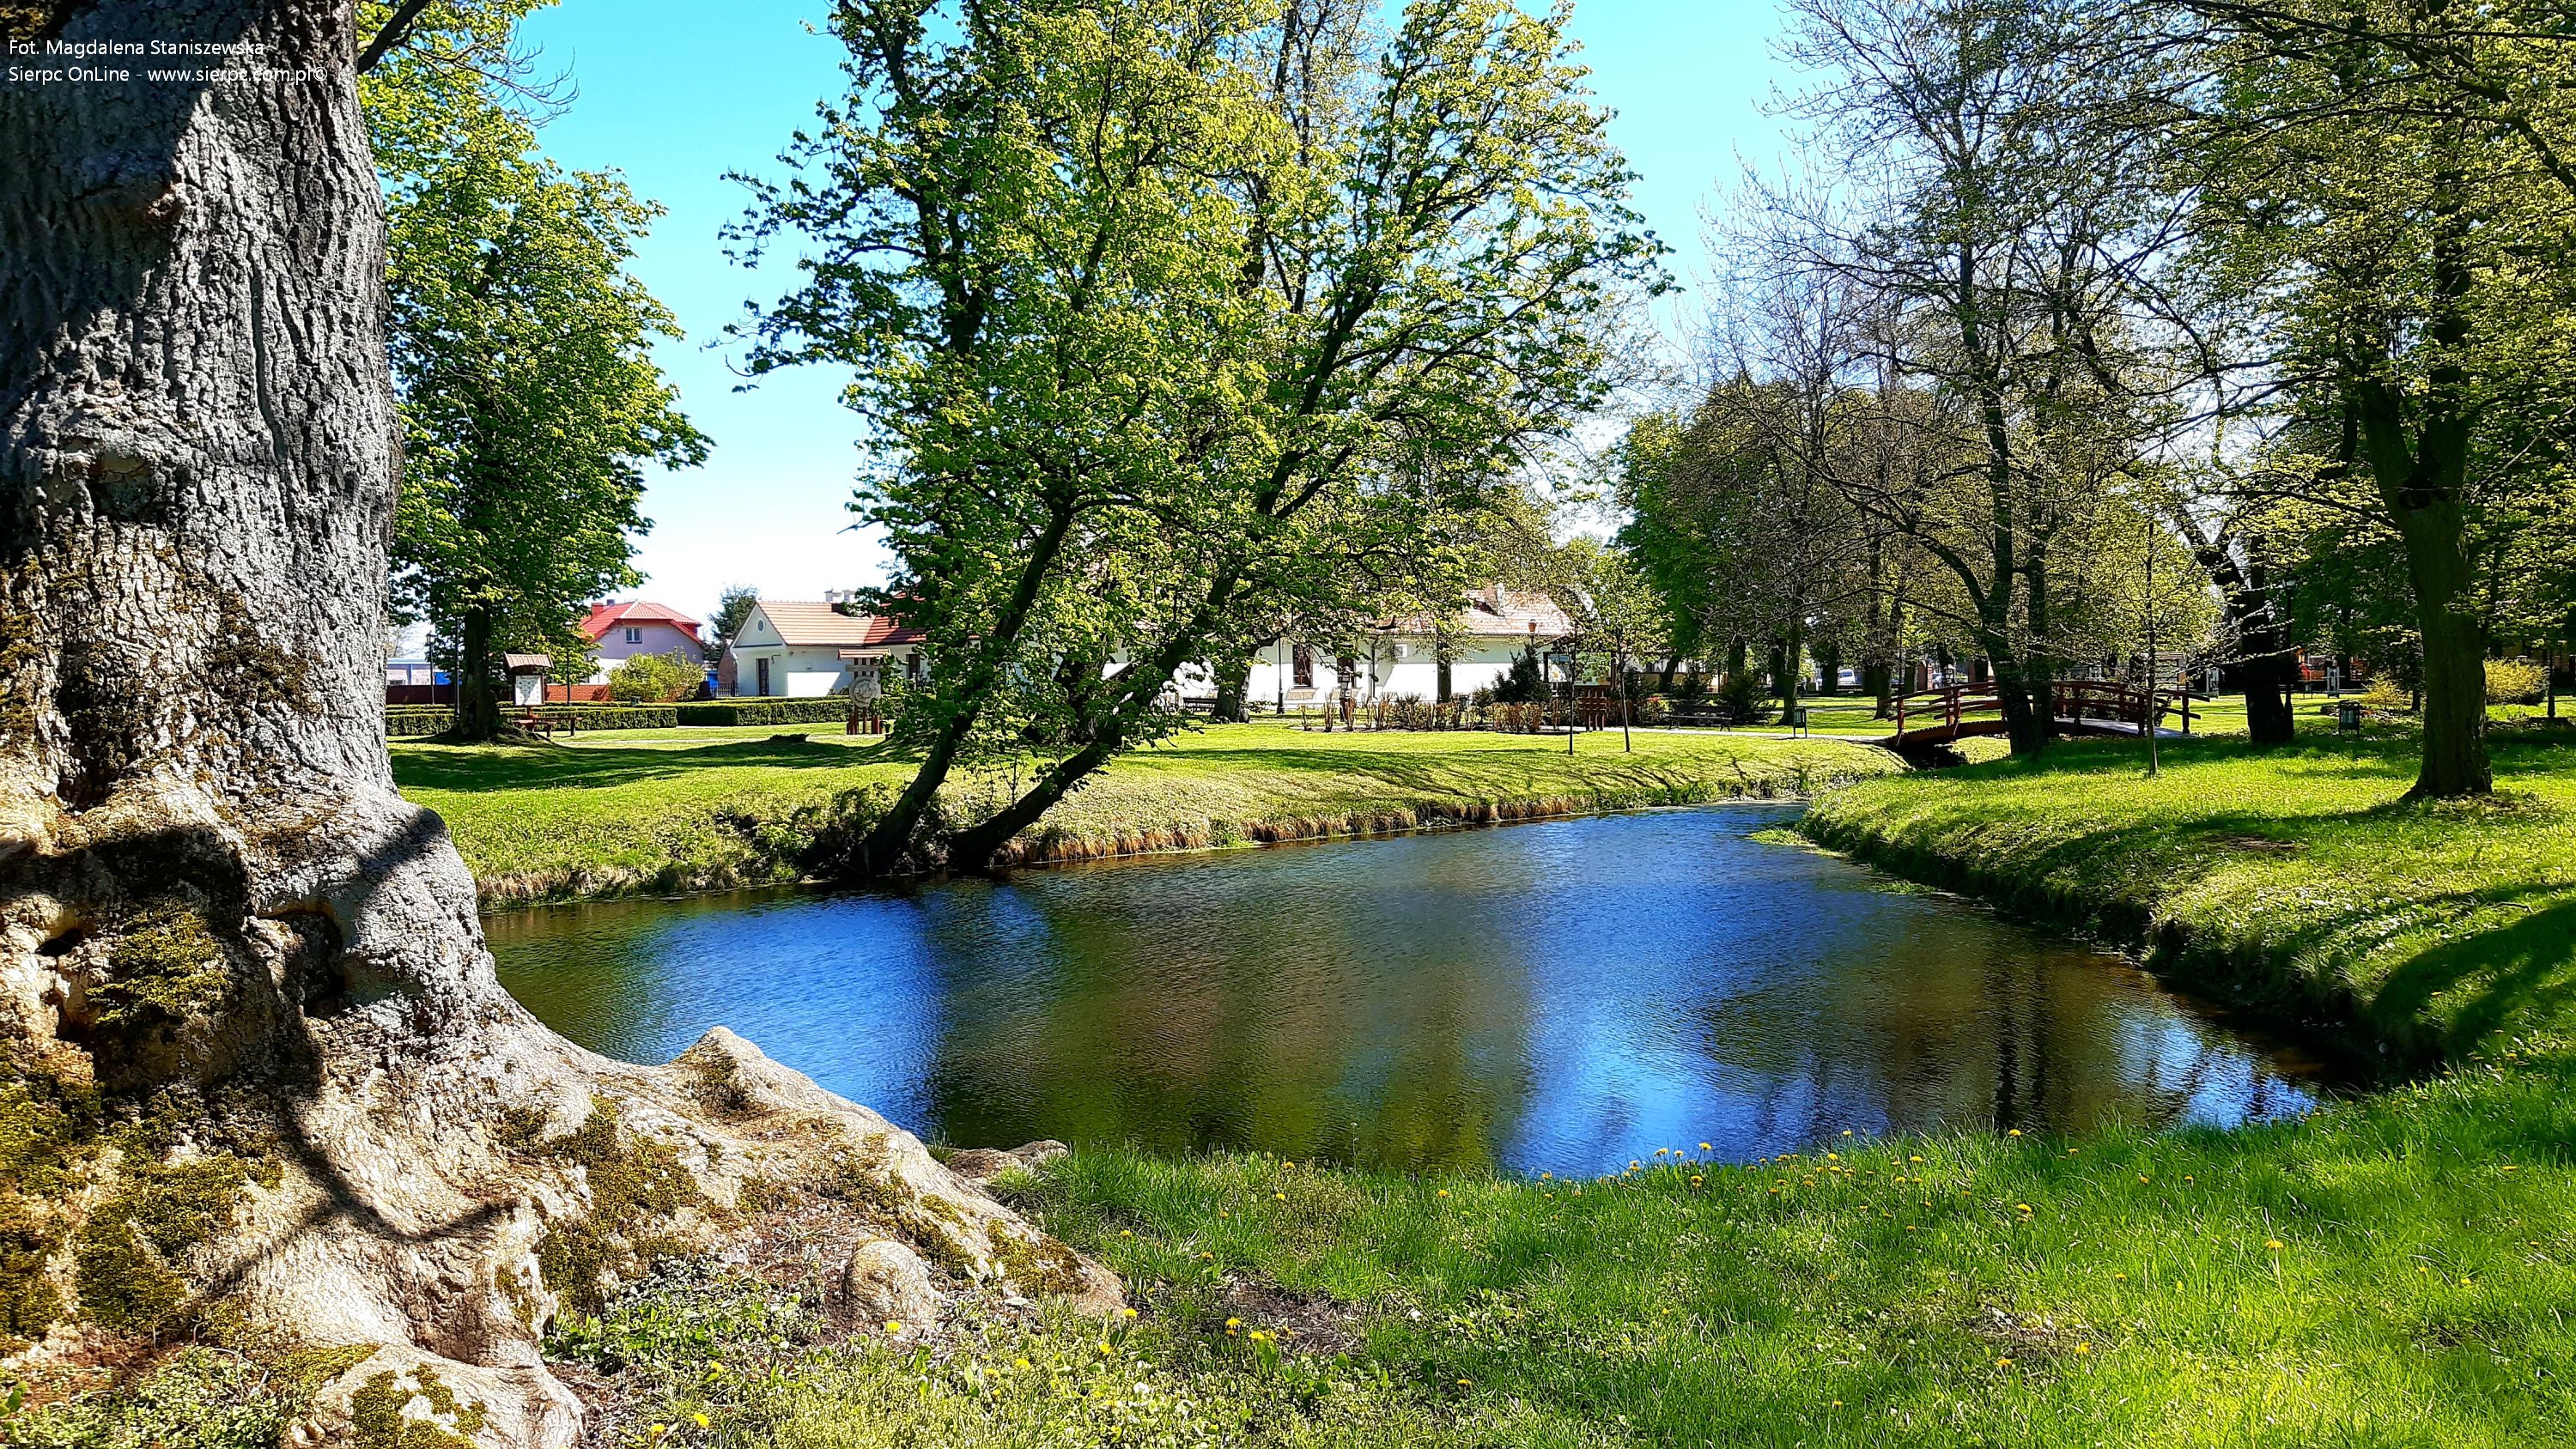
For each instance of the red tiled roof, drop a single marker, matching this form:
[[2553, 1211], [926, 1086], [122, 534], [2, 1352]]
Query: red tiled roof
[[603, 617], [815, 625]]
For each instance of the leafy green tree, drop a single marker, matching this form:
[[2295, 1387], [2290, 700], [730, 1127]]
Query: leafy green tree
[[2391, 177], [1620, 619], [1178, 318], [522, 360], [732, 607]]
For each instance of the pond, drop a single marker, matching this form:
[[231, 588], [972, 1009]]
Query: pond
[[1564, 996]]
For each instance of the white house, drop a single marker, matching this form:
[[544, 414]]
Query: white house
[[1401, 658], [621, 631], [790, 648]]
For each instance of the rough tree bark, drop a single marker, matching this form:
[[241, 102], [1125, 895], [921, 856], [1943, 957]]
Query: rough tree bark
[[247, 1022], [478, 708]]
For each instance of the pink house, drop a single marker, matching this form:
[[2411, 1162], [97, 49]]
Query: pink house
[[622, 631]]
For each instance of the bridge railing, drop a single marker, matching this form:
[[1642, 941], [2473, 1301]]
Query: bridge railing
[[2072, 699]]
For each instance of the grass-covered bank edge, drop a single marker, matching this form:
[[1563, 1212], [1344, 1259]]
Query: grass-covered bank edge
[[2297, 884], [539, 825]]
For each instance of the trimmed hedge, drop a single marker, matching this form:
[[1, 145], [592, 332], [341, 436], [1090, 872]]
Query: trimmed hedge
[[402, 721], [829, 710], [409, 721], [611, 716]]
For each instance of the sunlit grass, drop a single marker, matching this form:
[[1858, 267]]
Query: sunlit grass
[[2299, 877], [2393, 1271], [674, 810]]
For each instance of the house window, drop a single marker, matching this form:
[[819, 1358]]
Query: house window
[[1301, 664], [912, 666], [634, 636]]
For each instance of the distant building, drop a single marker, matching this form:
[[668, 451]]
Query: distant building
[[1409, 657], [413, 671], [797, 649], [621, 631]]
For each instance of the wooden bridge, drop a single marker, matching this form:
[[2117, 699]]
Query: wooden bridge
[[2079, 706]]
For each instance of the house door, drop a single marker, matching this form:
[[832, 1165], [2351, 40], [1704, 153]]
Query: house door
[[1301, 665], [763, 666]]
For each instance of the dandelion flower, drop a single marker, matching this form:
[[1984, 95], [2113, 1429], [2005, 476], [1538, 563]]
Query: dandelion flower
[[1704, 1147], [2003, 1363], [1126, 1312], [1019, 1363], [1279, 1196], [894, 1325], [2083, 1348], [2011, 1132], [2272, 1243], [699, 1419], [1234, 1323], [1464, 1383]]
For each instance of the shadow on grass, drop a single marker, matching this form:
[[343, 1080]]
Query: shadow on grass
[[2524, 973]]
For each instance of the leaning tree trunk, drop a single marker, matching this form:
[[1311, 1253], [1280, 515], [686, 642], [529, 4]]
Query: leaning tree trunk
[[248, 1027]]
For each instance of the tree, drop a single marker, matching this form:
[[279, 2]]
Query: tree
[[2391, 175], [252, 1011], [1988, 245], [1171, 321], [1618, 617], [522, 359], [732, 607]]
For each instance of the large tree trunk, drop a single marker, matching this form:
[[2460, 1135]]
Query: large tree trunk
[[232, 958], [478, 709], [1233, 686]]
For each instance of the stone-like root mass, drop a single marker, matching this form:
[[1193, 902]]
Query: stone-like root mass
[[285, 1103]]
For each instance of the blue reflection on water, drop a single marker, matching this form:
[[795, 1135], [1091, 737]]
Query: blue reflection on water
[[1567, 995]]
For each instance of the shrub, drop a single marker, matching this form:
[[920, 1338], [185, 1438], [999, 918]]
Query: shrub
[[655, 678], [411, 721], [2384, 697], [1524, 683], [830, 709], [1740, 695], [2515, 681], [611, 716]]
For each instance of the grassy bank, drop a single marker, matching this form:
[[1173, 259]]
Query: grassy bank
[[2393, 1273], [2395, 1270], [658, 812], [2299, 880]]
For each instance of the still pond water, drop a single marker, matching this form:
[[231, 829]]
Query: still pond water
[[1559, 996]]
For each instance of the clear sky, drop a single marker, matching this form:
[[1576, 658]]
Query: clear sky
[[674, 93]]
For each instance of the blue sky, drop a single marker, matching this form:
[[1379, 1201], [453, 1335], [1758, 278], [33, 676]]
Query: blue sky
[[674, 93]]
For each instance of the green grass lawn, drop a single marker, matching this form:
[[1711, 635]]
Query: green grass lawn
[[682, 809], [2298, 877], [2397, 1270]]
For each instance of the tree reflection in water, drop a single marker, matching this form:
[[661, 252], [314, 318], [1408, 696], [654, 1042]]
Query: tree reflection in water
[[1566, 995]]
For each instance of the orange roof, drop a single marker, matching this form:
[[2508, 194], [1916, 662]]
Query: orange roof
[[802, 623], [603, 617]]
